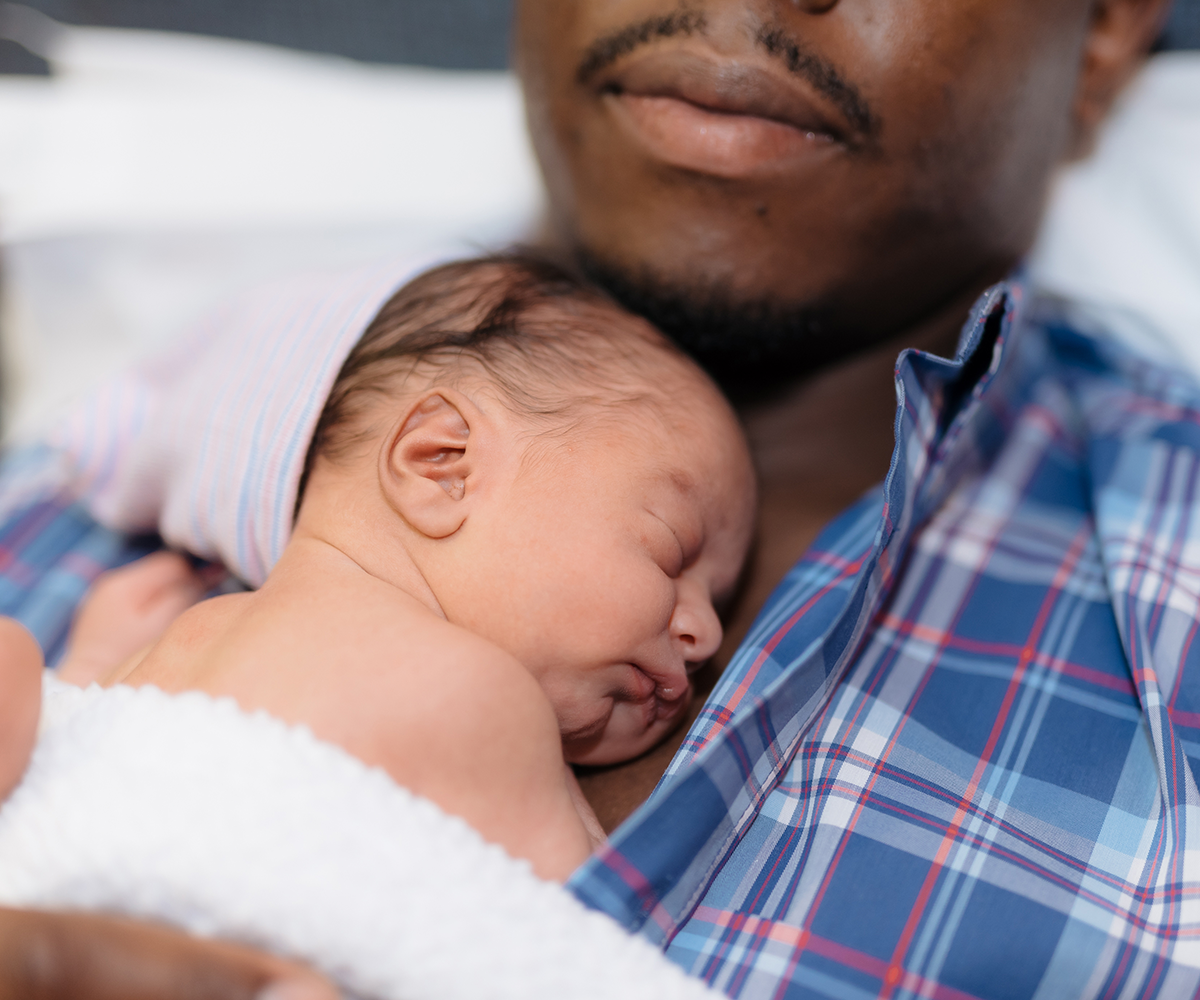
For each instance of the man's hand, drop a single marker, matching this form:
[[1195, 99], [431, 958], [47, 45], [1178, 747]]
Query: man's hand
[[72, 956], [128, 609], [20, 701]]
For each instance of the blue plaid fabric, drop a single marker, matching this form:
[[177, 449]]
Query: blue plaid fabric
[[50, 547], [955, 756]]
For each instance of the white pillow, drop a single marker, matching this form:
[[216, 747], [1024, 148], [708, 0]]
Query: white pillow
[[156, 174], [1122, 234]]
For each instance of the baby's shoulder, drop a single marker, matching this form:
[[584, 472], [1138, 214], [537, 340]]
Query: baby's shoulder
[[177, 660], [437, 674], [435, 698], [209, 620]]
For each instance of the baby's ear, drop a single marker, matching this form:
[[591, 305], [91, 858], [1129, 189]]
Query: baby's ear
[[427, 463]]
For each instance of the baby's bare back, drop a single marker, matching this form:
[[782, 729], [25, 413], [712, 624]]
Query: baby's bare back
[[368, 667]]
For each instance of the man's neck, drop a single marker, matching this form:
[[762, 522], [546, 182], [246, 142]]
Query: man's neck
[[817, 449], [821, 445]]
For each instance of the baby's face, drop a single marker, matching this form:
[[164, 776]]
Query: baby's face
[[604, 560]]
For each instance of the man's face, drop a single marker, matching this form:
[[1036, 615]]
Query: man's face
[[832, 170]]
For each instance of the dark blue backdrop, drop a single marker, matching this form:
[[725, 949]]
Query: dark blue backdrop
[[1183, 30], [456, 34]]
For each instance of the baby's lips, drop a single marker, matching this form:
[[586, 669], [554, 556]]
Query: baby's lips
[[673, 684], [662, 694], [667, 708], [642, 685]]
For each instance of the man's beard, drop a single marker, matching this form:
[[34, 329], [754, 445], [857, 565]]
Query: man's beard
[[753, 349]]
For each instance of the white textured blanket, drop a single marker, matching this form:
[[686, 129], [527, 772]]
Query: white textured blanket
[[186, 809]]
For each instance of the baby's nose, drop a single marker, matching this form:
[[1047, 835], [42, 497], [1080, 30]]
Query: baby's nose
[[694, 624]]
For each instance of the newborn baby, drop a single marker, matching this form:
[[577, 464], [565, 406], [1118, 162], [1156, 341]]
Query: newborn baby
[[518, 511]]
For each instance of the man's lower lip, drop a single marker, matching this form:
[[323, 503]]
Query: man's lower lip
[[688, 136]]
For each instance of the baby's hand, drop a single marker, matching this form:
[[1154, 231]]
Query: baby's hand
[[128, 609]]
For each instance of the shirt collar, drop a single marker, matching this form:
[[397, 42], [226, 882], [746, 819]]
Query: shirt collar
[[655, 866], [946, 409]]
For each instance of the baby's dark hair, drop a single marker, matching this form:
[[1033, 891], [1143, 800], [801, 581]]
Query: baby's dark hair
[[501, 317]]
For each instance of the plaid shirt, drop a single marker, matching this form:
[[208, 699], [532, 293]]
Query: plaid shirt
[[952, 757]]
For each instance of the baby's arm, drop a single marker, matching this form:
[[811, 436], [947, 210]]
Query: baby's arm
[[444, 712], [487, 747], [20, 701], [128, 609]]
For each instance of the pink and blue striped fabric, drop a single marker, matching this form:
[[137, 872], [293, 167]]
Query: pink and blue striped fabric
[[956, 756], [205, 443]]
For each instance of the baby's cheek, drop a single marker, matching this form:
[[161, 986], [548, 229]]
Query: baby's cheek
[[627, 735], [613, 745]]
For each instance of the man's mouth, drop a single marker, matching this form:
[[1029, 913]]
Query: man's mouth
[[726, 118]]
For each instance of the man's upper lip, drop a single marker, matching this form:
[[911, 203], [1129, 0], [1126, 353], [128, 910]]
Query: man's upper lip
[[727, 86]]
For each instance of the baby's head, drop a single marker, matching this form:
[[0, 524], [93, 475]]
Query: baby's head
[[570, 486]]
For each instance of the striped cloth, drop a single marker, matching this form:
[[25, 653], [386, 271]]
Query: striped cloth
[[206, 442], [955, 756]]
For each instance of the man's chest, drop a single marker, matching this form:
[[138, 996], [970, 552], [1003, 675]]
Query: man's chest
[[953, 758], [981, 806]]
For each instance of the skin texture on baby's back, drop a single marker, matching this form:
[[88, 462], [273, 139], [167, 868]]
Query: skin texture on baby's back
[[367, 667]]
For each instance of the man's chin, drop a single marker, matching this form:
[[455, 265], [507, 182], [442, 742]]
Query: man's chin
[[752, 348]]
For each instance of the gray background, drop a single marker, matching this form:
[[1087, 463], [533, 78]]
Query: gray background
[[454, 34], [1183, 29]]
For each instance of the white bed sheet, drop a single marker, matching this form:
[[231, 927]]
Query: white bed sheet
[[1122, 234]]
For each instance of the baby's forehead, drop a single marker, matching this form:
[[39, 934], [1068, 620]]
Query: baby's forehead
[[668, 445]]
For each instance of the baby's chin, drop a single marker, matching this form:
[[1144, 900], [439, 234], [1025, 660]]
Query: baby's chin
[[633, 729]]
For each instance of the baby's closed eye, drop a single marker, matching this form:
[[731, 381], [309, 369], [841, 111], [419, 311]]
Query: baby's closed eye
[[664, 546]]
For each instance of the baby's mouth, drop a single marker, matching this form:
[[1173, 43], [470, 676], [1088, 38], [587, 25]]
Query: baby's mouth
[[670, 703], [662, 696]]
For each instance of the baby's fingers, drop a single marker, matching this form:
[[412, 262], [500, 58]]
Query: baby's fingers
[[128, 609], [144, 585], [159, 588]]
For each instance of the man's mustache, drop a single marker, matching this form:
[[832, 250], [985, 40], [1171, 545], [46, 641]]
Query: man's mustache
[[607, 49], [778, 44]]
